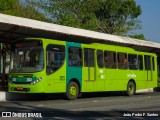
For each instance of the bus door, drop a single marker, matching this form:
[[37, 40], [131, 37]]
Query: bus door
[[89, 64], [148, 67]]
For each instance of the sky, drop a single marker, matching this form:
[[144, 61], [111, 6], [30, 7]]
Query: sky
[[150, 18]]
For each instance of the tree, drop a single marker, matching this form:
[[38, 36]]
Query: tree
[[117, 17], [74, 13], [108, 16], [22, 8], [138, 36], [7, 5]]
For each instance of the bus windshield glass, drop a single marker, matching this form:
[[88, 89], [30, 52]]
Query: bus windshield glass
[[27, 57]]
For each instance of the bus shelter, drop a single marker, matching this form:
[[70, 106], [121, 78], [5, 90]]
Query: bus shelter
[[12, 28]]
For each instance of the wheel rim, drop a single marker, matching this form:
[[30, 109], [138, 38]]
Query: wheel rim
[[73, 90], [131, 89]]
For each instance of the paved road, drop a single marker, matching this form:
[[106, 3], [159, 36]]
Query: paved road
[[101, 105]]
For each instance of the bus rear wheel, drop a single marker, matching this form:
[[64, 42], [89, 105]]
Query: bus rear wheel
[[72, 91], [130, 88]]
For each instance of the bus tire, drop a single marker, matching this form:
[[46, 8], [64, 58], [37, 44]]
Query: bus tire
[[72, 91], [130, 89]]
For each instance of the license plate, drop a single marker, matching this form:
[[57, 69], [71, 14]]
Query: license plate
[[19, 88]]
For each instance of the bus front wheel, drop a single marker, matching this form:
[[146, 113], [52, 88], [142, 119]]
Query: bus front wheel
[[72, 91], [131, 88]]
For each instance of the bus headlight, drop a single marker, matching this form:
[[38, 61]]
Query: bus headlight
[[36, 81]]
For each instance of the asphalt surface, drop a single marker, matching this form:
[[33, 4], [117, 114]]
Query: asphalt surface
[[90, 106]]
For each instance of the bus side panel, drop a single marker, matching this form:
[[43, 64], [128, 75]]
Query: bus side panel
[[154, 75], [56, 81]]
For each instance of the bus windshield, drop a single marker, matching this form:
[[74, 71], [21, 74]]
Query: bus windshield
[[27, 59]]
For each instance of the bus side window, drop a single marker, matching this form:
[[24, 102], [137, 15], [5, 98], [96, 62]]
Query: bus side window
[[147, 60], [88, 57], [132, 61], [100, 58], [122, 61], [140, 62], [153, 64], [110, 59], [74, 57], [86, 63], [55, 57]]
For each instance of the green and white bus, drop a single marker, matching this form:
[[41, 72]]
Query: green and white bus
[[41, 65]]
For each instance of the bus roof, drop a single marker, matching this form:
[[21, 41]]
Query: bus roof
[[12, 28]]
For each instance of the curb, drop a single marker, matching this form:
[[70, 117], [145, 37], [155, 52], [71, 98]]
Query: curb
[[5, 96], [2, 96], [145, 90]]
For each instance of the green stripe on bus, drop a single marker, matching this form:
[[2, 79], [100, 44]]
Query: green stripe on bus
[[73, 72]]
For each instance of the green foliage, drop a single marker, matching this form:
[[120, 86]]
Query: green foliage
[[74, 13], [138, 36], [7, 5], [108, 16], [117, 17], [21, 8]]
